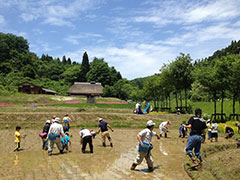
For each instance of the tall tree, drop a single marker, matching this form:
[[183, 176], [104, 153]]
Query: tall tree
[[85, 67], [64, 60]]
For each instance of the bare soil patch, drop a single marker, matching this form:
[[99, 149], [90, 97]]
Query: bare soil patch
[[104, 163]]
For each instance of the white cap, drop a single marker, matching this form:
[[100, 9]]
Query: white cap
[[150, 123], [57, 119], [100, 119], [48, 121]]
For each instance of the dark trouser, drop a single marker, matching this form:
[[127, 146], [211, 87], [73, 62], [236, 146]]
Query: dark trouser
[[87, 139], [45, 143], [65, 146]]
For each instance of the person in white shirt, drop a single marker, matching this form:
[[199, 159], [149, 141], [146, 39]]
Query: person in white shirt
[[214, 131], [86, 138], [54, 134], [163, 127], [144, 151]]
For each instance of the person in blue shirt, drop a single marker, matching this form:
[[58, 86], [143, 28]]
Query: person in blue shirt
[[65, 143], [103, 128]]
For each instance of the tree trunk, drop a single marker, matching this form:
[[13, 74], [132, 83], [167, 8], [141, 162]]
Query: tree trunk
[[181, 98], [222, 106], [215, 105], [234, 101], [186, 98], [177, 99]]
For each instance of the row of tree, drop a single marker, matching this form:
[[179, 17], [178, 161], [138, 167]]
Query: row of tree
[[18, 64]]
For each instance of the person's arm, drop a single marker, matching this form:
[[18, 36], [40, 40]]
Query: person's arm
[[139, 139], [158, 137], [62, 134], [188, 126], [109, 127], [99, 130]]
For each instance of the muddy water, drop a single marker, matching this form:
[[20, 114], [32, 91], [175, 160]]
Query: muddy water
[[104, 163]]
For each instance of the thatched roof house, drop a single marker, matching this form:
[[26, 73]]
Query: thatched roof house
[[30, 88], [90, 90]]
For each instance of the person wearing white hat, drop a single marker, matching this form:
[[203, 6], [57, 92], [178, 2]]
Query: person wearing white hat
[[54, 133], [103, 128], [144, 150]]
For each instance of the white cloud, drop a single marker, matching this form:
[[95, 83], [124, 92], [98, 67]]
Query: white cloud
[[74, 39], [2, 20], [133, 60]]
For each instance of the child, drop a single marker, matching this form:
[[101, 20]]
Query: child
[[209, 129], [214, 132], [65, 143], [18, 138], [163, 127], [145, 137]]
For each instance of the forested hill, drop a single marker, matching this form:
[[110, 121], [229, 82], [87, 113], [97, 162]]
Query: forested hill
[[18, 64]]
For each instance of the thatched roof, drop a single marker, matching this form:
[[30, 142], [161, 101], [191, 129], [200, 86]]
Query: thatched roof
[[49, 91], [86, 88]]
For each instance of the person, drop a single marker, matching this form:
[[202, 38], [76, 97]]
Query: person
[[53, 118], [86, 138], [44, 133], [163, 127], [228, 132], [137, 108], [144, 149], [197, 126], [214, 132], [103, 128], [18, 139], [178, 111], [181, 131], [66, 141], [54, 133], [66, 124], [209, 124]]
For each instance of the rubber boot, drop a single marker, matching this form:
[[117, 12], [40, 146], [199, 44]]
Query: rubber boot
[[150, 169], [104, 145], [111, 144], [133, 166], [165, 135]]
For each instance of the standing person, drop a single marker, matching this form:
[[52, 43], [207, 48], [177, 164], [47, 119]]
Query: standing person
[[66, 120], [228, 132], [144, 151], [209, 124], [214, 131], [197, 126], [86, 138], [66, 141], [44, 133], [103, 128], [54, 133], [163, 127], [18, 139]]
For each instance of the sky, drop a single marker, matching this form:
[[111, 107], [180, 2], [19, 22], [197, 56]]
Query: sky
[[137, 37]]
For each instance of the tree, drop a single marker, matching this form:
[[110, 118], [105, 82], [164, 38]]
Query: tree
[[180, 71], [99, 72], [70, 75], [85, 67], [64, 60]]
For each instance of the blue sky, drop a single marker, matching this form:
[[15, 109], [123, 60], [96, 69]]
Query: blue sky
[[135, 36]]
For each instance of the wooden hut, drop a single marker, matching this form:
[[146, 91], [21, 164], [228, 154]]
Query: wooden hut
[[90, 90], [30, 88]]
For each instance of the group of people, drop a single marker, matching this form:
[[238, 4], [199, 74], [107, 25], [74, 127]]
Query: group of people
[[53, 132]]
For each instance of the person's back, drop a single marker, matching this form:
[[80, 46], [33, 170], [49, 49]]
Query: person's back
[[198, 125], [46, 127], [103, 126]]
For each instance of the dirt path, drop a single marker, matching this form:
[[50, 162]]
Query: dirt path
[[104, 163]]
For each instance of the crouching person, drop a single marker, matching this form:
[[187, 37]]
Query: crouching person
[[54, 133], [144, 151], [86, 138]]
